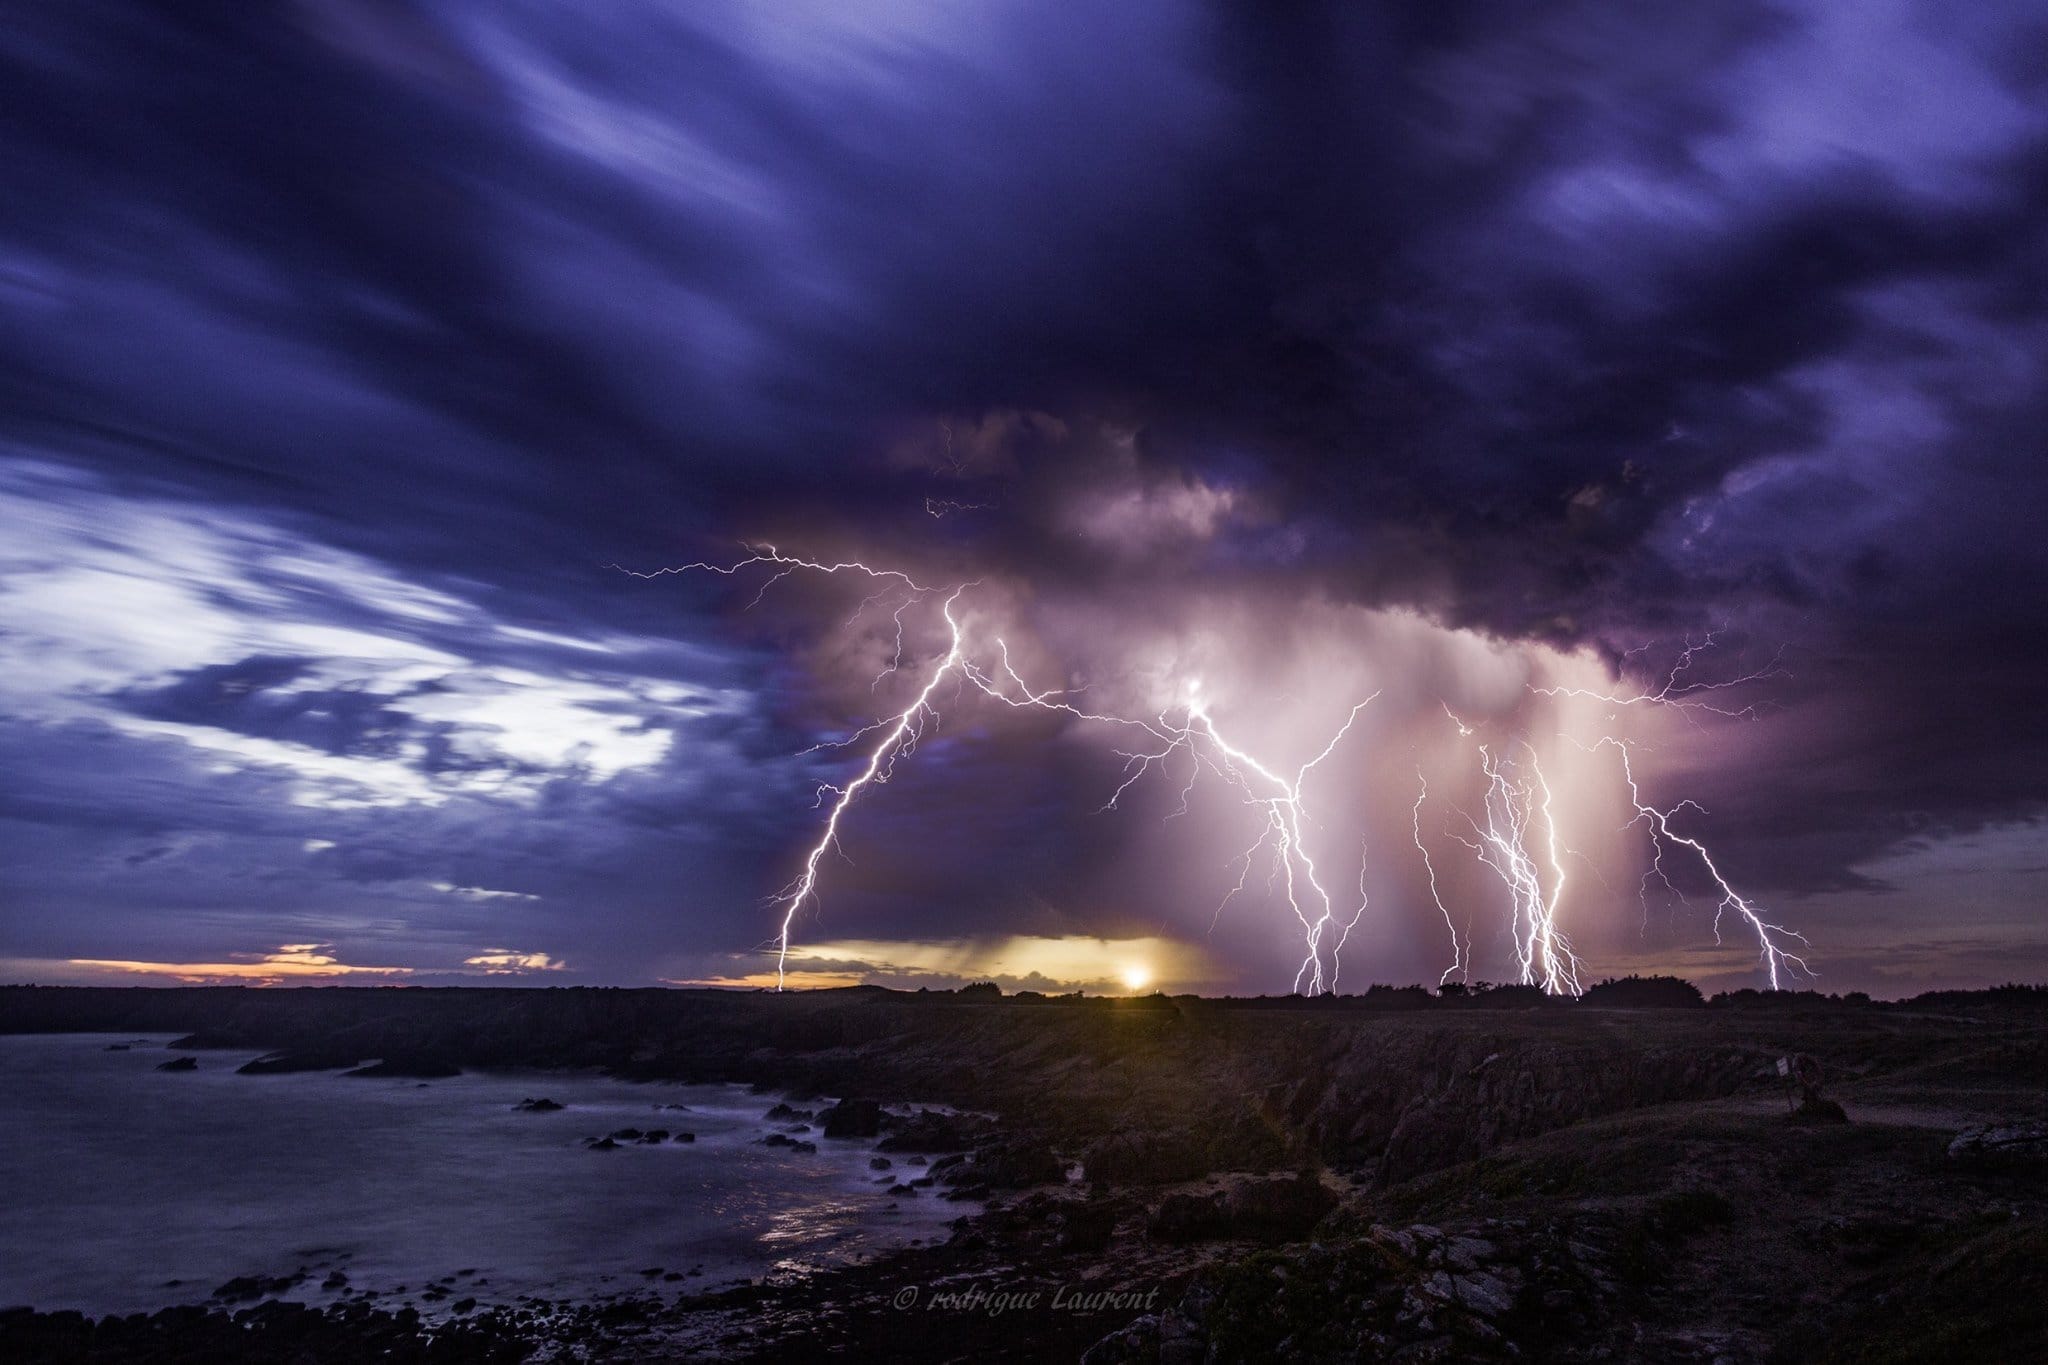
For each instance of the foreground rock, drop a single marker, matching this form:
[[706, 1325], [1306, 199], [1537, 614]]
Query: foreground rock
[[1500, 1290], [2014, 1142]]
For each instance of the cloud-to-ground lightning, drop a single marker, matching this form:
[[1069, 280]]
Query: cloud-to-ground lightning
[[1276, 795], [1282, 801], [1196, 732], [1518, 838], [1460, 955], [1678, 693], [1658, 822], [898, 737], [1514, 802]]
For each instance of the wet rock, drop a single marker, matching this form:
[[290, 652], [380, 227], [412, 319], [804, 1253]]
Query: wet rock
[[785, 1113], [539, 1106], [926, 1131], [246, 1288], [1018, 1166], [412, 1068], [603, 1144], [685, 1137], [626, 1134], [852, 1118], [879, 1163], [286, 1063], [179, 1064], [655, 1135]]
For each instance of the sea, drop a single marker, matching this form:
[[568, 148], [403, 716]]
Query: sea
[[124, 1188]]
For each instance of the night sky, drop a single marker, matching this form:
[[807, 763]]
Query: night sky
[[356, 359]]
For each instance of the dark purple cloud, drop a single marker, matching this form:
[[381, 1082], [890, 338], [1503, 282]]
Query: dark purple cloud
[[1558, 324]]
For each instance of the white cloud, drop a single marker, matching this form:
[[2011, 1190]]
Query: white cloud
[[103, 597]]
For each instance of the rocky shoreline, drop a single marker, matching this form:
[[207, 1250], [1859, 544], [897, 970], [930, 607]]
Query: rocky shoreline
[[1187, 1180]]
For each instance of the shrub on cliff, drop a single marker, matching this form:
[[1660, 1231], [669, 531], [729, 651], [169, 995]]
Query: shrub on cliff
[[1644, 993]]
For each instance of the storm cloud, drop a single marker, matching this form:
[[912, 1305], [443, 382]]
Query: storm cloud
[[345, 349]]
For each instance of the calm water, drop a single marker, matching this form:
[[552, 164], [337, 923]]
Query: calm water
[[116, 1178]]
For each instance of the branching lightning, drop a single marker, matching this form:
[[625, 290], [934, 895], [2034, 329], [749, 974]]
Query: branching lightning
[[1282, 802], [1516, 836], [1461, 956], [1324, 927], [1678, 691], [1770, 937], [1514, 802], [1517, 799]]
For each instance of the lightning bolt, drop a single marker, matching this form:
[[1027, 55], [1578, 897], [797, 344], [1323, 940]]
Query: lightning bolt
[[900, 736], [1460, 958], [1678, 691], [1284, 816], [1196, 733], [1518, 797], [1658, 822], [1513, 804], [941, 508]]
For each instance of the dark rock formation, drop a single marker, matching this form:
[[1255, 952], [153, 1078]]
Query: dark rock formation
[[1187, 1218], [287, 1062], [1144, 1158], [852, 1118], [1014, 1165], [930, 1131], [1087, 1225], [245, 1288], [2026, 1142], [411, 1068], [179, 1064], [1819, 1109], [1277, 1210]]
